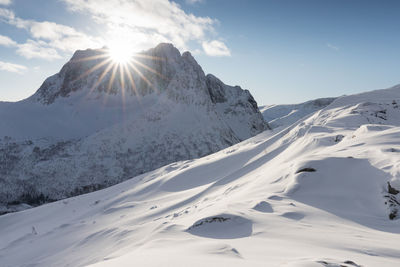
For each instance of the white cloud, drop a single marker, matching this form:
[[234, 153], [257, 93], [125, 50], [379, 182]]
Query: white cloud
[[6, 14], [216, 48], [5, 2], [7, 41], [141, 23], [192, 2], [11, 67], [49, 37], [37, 49], [333, 47], [62, 37], [50, 30], [147, 21]]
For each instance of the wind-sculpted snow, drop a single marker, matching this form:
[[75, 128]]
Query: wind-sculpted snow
[[223, 226], [322, 192], [280, 116], [84, 130]]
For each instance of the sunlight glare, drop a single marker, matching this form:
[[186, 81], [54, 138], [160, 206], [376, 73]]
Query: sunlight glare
[[120, 52]]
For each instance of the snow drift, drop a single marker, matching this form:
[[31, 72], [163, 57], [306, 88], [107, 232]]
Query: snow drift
[[285, 115]]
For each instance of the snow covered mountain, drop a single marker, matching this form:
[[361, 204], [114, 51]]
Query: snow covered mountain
[[97, 123], [285, 115], [322, 192]]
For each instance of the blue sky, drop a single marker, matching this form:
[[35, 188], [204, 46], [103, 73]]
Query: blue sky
[[283, 51]]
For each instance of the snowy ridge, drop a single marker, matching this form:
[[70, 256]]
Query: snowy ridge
[[80, 133], [314, 194], [285, 115]]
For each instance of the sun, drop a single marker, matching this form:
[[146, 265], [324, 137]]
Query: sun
[[120, 52], [120, 62]]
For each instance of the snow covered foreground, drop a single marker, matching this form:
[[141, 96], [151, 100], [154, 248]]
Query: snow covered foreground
[[314, 194]]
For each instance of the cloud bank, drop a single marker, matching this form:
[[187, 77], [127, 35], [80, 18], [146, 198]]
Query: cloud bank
[[140, 23], [7, 41], [192, 2], [11, 67], [149, 22], [216, 48], [5, 2], [48, 38]]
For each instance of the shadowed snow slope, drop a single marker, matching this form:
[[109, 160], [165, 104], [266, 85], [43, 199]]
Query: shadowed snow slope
[[88, 127], [314, 194]]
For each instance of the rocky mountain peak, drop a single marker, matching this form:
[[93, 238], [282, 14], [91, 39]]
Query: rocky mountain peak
[[165, 50], [160, 69], [86, 128]]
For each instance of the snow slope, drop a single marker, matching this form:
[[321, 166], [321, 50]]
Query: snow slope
[[313, 194], [285, 115], [88, 127]]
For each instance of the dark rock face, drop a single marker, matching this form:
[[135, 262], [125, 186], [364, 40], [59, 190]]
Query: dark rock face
[[216, 89], [392, 190], [69, 79], [306, 170], [252, 101], [392, 201]]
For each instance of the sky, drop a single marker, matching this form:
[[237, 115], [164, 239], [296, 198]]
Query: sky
[[283, 51]]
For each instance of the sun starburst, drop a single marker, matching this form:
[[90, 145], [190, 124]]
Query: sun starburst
[[120, 52], [121, 65]]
